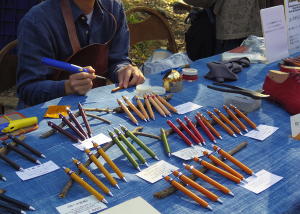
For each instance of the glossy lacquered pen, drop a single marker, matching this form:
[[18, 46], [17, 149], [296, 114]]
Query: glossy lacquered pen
[[161, 105], [187, 192], [76, 122], [211, 128], [124, 150], [188, 131], [149, 107], [141, 106], [165, 140], [233, 160], [85, 185], [102, 168], [226, 120], [130, 146], [166, 103], [208, 179], [134, 108], [183, 137], [10, 208], [209, 134], [71, 126], [198, 187], [193, 128], [237, 120], [132, 118], [2, 177], [162, 113], [85, 120], [11, 162], [21, 152], [25, 145], [244, 117], [62, 131], [109, 161], [92, 176], [18, 203], [139, 142], [65, 66]]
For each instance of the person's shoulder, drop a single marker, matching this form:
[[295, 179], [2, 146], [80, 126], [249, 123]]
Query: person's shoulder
[[111, 3]]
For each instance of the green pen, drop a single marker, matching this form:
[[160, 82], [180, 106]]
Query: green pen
[[123, 149], [140, 143], [131, 147], [166, 144]]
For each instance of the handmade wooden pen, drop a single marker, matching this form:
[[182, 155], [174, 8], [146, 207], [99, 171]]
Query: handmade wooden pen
[[166, 103], [131, 147], [161, 105], [85, 120], [244, 117], [237, 120], [198, 187], [128, 112], [149, 107], [226, 120], [76, 122], [109, 161], [10, 208], [91, 176], [71, 126], [233, 160], [218, 170], [193, 128], [62, 131], [207, 123], [139, 142], [17, 203], [226, 128], [197, 141], [165, 140], [162, 113], [124, 150], [85, 185], [187, 192], [117, 88], [11, 162], [102, 168], [208, 179], [224, 165], [134, 108], [209, 134], [141, 106], [183, 137]]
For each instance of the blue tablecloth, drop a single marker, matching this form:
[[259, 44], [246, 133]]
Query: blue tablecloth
[[278, 154]]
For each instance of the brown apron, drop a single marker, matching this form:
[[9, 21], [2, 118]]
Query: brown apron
[[95, 55]]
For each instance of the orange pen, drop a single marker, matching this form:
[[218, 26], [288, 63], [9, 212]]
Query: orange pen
[[208, 179], [91, 176], [229, 131], [187, 192], [166, 103], [226, 120], [102, 168], [224, 166], [149, 107], [134, 108], [244, 117], [109, 161], [218, 170], [85, 185], [128, 112], [141, 106], [237, 120], [161, 105], [233, 160], [198, 187], [207, 123], [162, 113]]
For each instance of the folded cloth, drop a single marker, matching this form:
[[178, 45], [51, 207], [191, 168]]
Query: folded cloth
[[222, 70]]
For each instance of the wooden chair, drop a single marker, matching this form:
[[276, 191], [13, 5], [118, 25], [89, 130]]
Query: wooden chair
[[153, 28]]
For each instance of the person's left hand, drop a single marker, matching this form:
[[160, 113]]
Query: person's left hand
[[130, 71]]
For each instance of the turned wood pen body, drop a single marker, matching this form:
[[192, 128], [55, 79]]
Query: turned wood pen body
[[237, 120], [226, 128], [226, 120], [207, 123], [134, 108]]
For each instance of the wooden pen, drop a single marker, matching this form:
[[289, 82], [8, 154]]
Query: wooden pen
[[183, 137], [128, 112], [141, 106], [134, 108], [193, 128], [162, 113], [161, 105], [207, 123], [226, 120], [237, 120], [209, 134], [149, 107], [166, 103], [244, 117], [85, 120], [190, 133]]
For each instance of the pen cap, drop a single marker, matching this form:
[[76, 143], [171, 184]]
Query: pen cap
[[196, 159], [169, 122], [175, 173], [205, 153], [75, 161], [215, 147], [167, 178]]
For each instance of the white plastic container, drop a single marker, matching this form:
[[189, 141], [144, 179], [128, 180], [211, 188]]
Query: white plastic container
[[243, 103]]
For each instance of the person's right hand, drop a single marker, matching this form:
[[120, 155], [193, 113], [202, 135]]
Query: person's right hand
[[80, 83]]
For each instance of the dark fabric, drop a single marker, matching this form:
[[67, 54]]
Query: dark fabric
[[227, 45], [272, 3], [226, 70]]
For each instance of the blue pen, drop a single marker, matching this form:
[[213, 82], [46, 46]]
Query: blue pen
[[65, 66]]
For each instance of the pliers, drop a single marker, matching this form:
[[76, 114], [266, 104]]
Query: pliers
[[257, 95]]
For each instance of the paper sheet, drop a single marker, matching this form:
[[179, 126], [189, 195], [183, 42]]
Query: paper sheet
[[187, 107], [262, 182], [155, 172], [85, 205], [295, 124], [37, 170], [188, 153], [99, 139], [263, 133]]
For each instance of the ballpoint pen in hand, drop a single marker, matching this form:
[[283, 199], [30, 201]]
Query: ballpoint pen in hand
[[65, 66]]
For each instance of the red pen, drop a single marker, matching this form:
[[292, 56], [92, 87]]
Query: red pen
[[192, 126], [188, 131], [188, 142], [213, 139]]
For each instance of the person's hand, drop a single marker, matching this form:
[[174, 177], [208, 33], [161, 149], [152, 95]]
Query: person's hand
[[132, 72], [80, 83]]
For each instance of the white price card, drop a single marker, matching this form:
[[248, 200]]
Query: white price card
[[85, 205], [188, 153], [187, 107], [262, 181], [264, 132], [295, 125], [155, 172], [99, 139], [38, 170]]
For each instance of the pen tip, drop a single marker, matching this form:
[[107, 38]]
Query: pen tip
[[241, 133], [246, 130], [21, 169], [4, 179], [230, 193], [38, 162], [146, 164], [214, 141], [138, 168], [169, 155], [164, 115], [104, 201], [234, 135], [124, 179], [219, 200], [153, 118], [256, 129], [31, 208], [117, 186], [110, 194], [220, 137], [170, 115], [156, 157], [137, 124], [204, 144], [184, 164], [209, 207], [43, 156]]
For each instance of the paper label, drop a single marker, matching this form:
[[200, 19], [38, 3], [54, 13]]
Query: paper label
[[187, 107], [295, 125], [188, 153], [263, 133], [99, 139]]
